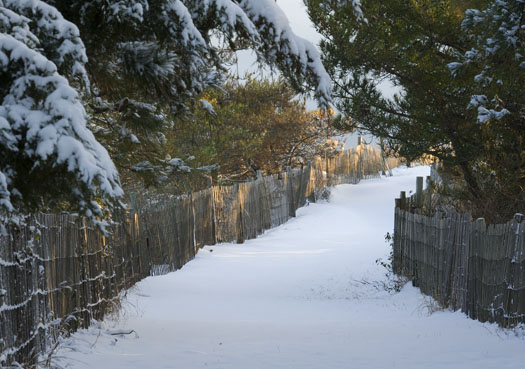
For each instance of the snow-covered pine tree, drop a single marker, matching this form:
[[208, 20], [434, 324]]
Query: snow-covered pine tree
[[495, 67], [185, 40], [497, 58], [131, 64], [150, 60], [47, 154]]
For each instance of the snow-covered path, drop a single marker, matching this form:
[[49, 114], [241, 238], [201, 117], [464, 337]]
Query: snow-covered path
[[305, 295]]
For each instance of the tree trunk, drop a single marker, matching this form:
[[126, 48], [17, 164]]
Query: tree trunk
[[472, 184]]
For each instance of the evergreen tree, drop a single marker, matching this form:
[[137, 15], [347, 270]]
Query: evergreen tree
[[495, 67], [150, 59], [47, 154], [124, 69], [420, 46]]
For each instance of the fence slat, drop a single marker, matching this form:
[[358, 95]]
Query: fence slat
[[465, 265]]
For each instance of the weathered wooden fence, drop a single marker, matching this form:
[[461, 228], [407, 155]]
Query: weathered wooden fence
[[59, 272], [466, 265]]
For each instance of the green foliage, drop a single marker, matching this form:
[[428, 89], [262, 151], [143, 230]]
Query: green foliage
[[414, 44], [496, 67], [254, 125], [149, 62]]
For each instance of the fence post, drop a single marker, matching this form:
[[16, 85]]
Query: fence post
[[290, 191], [403, 200], [512, 309], [360, 166], [309, 187], [240, 215], [428, 204], [384, 161], [305, 177], [419, 192], [214, 226]]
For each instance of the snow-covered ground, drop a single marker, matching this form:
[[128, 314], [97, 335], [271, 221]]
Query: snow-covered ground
[[305, 295]]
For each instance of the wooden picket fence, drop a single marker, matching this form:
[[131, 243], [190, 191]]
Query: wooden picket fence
[[464, 264], [59, 273]]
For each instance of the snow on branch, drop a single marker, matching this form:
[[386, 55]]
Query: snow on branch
[[206, 105], [179, 21], [230, 15], [42, 120], [124, 10], [497, 34], [356, 5], [297, 57], [17, 26], [260, 22], [59, 38]]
